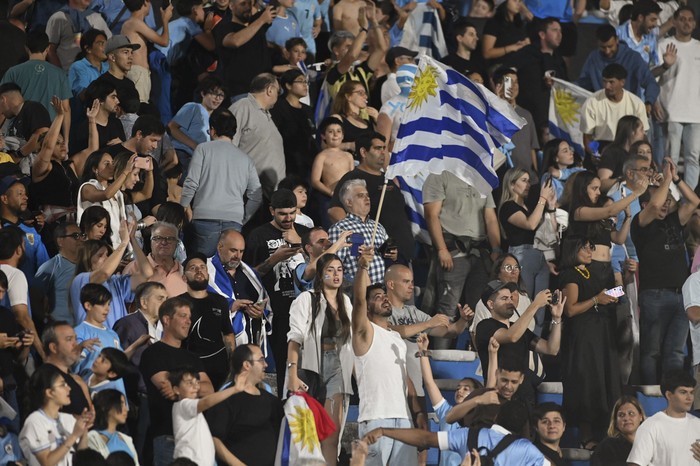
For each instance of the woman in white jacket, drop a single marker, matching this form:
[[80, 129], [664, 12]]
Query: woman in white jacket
[[320, 342]]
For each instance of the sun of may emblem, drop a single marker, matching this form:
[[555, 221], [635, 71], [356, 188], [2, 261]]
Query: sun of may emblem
[[303, 428], [424, 85], [566, 106]]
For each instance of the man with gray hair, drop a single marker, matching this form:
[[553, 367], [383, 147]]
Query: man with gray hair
[[257, 134], [166, 270], [355, 199]]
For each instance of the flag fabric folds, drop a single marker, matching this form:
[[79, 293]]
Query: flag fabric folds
[[423, 32], [304, 425], [451, 123], [565, 104]]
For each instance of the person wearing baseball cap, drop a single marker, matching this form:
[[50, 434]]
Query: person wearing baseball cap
[[395, 57], [13, 210], [119, 51]]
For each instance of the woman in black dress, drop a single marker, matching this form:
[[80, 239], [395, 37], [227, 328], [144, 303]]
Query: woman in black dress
[[590, 372]]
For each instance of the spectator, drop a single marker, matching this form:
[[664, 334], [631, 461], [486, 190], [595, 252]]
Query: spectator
[[559, 163], [109, 128], [284, 26], [385, 389], [12, 244], [246, 425], [372, 153], [28, 119], [692, 308], [351, 108], [62, 27], [505, 33], [519, 222], [639, 80], [238, 282], [120, 54], [97, 263], [591, 382], [33, 14], [319, 341], [629, 129], [41, 81], [242, 40], [294, 120], [395, 57], [91, 66], [550, 426], [467, 38], [190, 125], [390, 113], [111, 411], [641, 31], [315, 244], [677, 100], [13, 212], [606, 107], [49, 436], [109, 369], [567, 13], [157, 362], [95, 223], [275, 248], [211, 336], [669, 435], [257, 134], [166, 269], [55, 275], [332, 163], [626, 417], [658, 238], [346, 16], [125, 162], [138, 32], [62, 352], [309, 14], [300, 189], [219, 180]]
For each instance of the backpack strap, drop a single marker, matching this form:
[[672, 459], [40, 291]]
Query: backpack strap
[[118, 17], [473, 439], [502, 445]]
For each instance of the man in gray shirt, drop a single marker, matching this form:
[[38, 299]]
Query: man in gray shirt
[[257, 134], [219, 176]]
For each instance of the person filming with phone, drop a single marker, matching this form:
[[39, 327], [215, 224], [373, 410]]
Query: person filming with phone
[[657, 233]]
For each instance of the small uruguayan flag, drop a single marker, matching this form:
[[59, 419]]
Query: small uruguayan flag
[[565, 102]]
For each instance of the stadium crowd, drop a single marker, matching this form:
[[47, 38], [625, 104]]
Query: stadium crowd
[[189, 200]]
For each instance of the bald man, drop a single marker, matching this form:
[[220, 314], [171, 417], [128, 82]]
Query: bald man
[[238, 282], [409, 321]]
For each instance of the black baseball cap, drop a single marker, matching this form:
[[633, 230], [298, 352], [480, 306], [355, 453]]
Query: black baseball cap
[[493, 287]]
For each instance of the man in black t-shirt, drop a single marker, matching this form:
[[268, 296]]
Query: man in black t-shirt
[[119, 56], [657, 233], [109, 128], [241, 45], [246, 425], [211, 334], [515, 339], [467, 39], [550, 425], [274, 249], [30, 119], [157, 361]]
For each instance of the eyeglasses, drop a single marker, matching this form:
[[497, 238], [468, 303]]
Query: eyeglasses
[[304, 82], [75, 236], [359, 91], [163, 239], [511, 268]]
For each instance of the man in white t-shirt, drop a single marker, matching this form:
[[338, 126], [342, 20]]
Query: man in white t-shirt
[[680, 95], [691, 301], [669, 437]]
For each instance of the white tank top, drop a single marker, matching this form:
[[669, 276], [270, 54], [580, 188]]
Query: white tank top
[[381, 377]]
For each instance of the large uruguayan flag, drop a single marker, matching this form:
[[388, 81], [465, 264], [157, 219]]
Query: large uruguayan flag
[[450, 123], [565, 104]]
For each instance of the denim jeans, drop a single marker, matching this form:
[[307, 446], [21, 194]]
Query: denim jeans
[[663, 331], [388, 451], [534, 273], [689, 135], [207, 232], [163, 450]]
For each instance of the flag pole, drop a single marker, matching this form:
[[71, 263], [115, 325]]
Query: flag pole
[[379, 211]]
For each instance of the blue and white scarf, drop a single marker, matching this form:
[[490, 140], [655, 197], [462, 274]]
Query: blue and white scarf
[[220, 283]]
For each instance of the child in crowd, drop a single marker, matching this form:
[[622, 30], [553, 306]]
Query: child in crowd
[[107, 371], [300, 189], [332, 162], [482, 9], [193, 439]]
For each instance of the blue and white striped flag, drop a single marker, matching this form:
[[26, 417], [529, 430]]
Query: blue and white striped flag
[[450, 123], [565, 104]]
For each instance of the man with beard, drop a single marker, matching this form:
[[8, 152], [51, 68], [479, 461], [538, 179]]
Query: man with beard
[[275, 249], [211, 335], [248, 302], [515, 339], [13, 211], [383, 383], [242, 40]]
